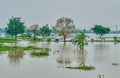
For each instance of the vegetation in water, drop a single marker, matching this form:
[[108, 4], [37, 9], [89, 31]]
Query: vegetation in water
[[7, 48], [45, 31], [100, 30], [34, 29], [64, 26], [100, 76], [39, 53], [84, 67], [15, 27], [80, 40], [24, 37], [6, 40]]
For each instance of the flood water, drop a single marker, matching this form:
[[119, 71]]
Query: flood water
[[100, 55]]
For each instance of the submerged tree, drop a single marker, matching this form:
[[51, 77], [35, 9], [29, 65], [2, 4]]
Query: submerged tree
[[100, 30], [64, 26], [15, 27], [80, 40], [34, 29]]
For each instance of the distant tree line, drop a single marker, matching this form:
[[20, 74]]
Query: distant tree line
[[64, 26]]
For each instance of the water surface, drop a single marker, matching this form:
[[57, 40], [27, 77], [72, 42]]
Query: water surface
[[20, 64]]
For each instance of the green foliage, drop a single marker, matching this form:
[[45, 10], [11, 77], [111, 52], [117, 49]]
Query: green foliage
[[86, 68], [116, 39], [24, 37], [64, 26], [7, 48], [80, 40], [28, 32], [48, 39], [6, 40], [56, 40], [45, 31], [15, 27], [100, 30], [31, 48]]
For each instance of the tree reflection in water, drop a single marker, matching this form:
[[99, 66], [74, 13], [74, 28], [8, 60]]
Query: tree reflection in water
[[63, 56], [72, 58], [81, 61], [15, 56], [81, 56], [68, 56]]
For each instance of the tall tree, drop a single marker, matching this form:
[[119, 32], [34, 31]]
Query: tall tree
[[15, 27], [64, 26], [45, 31], [34, 29], [100, 30]]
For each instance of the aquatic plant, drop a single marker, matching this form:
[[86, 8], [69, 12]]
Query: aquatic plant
[[7, 48], [39, 53], [84, 67], [100, 76]]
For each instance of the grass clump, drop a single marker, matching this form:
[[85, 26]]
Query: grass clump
[[31, 48], [7, 48], [39, 53], [6, 40], [48, 39], [83, 67], [25, 37]]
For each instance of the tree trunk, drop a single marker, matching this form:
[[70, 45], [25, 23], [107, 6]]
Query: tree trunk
[[16, 40], [16, 37], [64, 38], [34, 36]]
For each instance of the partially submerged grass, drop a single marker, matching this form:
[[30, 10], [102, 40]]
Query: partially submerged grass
[[83, 67], [6, 40], [39, 53], [24, 37], [7, 48], [31, 48]]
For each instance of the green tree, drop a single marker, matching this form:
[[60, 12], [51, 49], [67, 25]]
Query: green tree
[[45, 31], [100, 30], [15, 27], [64, 26], [34, 29], [80, 40], [28, 32]]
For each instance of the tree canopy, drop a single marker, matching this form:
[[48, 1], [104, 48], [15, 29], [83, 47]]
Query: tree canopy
[[64, 26], [45, 31], [15, 27], [100, 30]]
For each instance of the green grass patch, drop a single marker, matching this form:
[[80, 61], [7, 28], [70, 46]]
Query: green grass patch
[[6, 40], [7, 48], [24, 37], [31, 48], [86, 68]]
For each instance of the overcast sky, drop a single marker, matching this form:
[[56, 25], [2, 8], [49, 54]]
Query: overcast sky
[[85, 13]]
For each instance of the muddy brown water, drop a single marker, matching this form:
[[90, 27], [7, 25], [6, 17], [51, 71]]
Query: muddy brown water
[[100, 55]]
